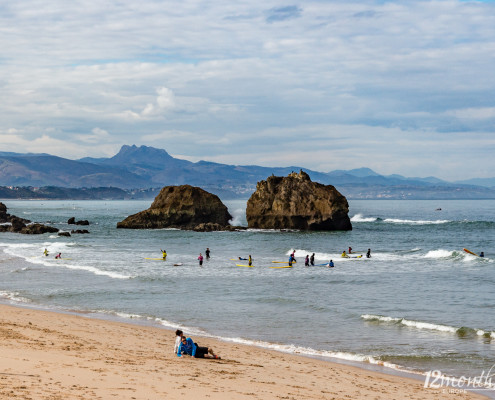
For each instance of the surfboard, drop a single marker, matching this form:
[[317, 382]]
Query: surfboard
[[161, 259], [242, 265], [470, 252], [178, 264], [283, 262], [283, 266]]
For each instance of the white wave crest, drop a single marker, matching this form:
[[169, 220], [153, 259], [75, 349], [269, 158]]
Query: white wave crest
[[96, 271], [415, 222], [411, 323], [14, 297], [360, 218], [440, 253]]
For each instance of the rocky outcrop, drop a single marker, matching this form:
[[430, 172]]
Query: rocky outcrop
[[21, 225], [183, 207], [37, 229], [72, 221], [295, 202]]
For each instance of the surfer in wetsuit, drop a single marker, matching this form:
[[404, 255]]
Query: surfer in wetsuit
[[350, 250], [306, 261], [330, 264], [59, 255], [207, 253], [312, 259], [368, 254], [200, 259], [250, 260], [344, 254], [164, 254], [482, 254], [45, 252], [291, 260]]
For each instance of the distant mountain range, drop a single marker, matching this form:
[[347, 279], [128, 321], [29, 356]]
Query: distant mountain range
[[134, 168]]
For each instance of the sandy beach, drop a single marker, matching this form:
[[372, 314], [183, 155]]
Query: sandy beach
[[46, 355]]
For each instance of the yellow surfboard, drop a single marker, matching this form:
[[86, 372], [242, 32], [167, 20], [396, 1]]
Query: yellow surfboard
[[284, 266], [147, 258], [242, 265]]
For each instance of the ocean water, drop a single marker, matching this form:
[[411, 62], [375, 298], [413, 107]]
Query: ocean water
[[420, 303]]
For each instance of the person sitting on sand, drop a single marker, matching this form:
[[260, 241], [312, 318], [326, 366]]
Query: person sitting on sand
[[188, 348], [178, 339]]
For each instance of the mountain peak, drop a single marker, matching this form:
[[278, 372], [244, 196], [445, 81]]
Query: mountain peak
[[140, 155]]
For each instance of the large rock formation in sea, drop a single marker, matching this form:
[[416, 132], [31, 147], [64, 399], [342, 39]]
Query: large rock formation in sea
[[295, 202], [184, 207], [11, 223]]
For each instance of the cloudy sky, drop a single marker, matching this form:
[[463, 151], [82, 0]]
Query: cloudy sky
[[402, 87]]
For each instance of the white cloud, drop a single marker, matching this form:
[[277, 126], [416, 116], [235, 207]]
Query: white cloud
[[254, 77]]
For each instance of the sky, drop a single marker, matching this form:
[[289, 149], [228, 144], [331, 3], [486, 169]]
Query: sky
[[404, 87]]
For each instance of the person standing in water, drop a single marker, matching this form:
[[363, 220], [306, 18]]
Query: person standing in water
[[312, 259], [306, 261], [368, 254], [46, 252], [200, 259], [164, 254], [207, 253], [250, 260]]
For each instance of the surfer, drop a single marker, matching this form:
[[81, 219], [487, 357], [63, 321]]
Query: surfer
[[59, 255], [45, 252], [164, 254], [306, 261], [200, 259], [250, 260], [344, 254], [291, 259], [368, 254], [482, 254], [207, 253], [350, 250], [240, 258], [312, 259], [330, 264], [293, 255]]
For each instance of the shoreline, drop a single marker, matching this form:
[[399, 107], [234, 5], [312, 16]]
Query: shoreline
[[46, 354]]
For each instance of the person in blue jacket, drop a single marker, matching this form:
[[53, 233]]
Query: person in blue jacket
[[189, 348]]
